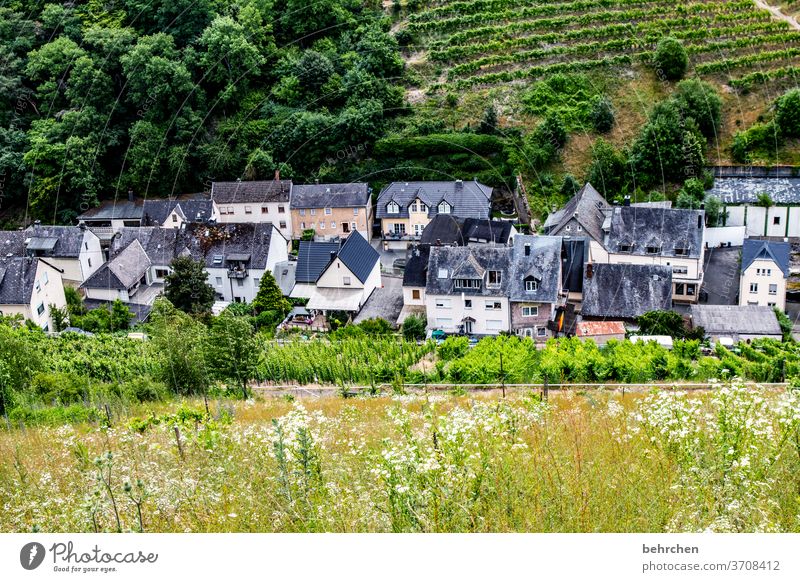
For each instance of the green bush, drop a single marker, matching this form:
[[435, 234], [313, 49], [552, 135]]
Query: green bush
[[453, 347]]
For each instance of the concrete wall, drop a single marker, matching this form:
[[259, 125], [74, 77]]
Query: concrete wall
[[778, 221], [732, 236], [339, 276], [449, 316], [762, 283]]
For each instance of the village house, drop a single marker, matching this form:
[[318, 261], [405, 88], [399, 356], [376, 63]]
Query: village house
[[446, 229], [765, 270], [624, 292], [258, 201], [31, 287], [415, 279], [331, 210], [736, 322], [535, 288], [236, 256], [405, 208], [125, 277], [583, 216]]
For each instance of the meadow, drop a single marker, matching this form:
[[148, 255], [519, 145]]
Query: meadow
[[727, 459]]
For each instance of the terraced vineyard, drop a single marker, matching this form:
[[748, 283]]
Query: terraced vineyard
[[490, 42]]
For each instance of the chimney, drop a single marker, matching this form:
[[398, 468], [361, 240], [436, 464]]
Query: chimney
[[459, 184], [238, 180], [130, 194], [589, 271], [333, 256], [438, 242], [626, 201], [527, 249], [82, 226], [316, 180], [277, 175]]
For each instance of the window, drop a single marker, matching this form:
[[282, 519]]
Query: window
[[174, 218], [494, 324], [302, 212], [322, 224], [302, 226], [282, 224], [414, 207], [415, 294], [531, 284], [690, 290], [230, 210], [346, 280], [444, 208], [681, 251], [265, 210], [223, 210], [219, 281], [541, 331], [652, 250], [444, 322], [679, 287], [328, 211], [442, 274], [773, 289], [467, 303], [240, 282], [443, 304], [256, 282], [568, 228], [40, 308], [580, 228], [467, 284], [38, 286], [530, 311], [333, 224], [392, 207], [625, 248], [493, 306], [418, 228], [161, 273], [45, 278], [281, 210], [680, 270], [313, 211], [753, 287], [776, 220], [495, 278], [217, 259], [248, 210], [399, 228], [355, 211], [771, 304], [353, 225], [89, 261], [423, 207], [86, 245]]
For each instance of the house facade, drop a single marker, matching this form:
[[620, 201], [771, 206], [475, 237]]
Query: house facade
[[75, 250], [123, 277], [259, 201], [764, 273], [331, 210], [415, 279], [582, 217], [405, 208], [31, 287], [535, 287]]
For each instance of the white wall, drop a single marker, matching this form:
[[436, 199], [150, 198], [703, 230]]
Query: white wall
[[762, 282], [239, 214], [108, 294], [455, 311], [408, 296], [50, 292], [725, 236], [230, 288], [753, 218]]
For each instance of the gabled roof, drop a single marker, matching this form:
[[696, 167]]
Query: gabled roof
[[353, 195], [778, 252], [359, 256], [160, 244], [543, 263], [586, 207], [17, 275], [595, 328], [443, 229], [735, 319], [313, 258], [416, 271], [12, 243], [479, 230], [468, 199], [115, 210], [156, 212], [55, 241], [204, 242], [445, 260], [122, 271], [666, 228], [255, 192], [469, 268], [626, 291]]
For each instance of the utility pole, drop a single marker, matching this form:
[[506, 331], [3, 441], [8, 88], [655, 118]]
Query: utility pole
[[502, 376]]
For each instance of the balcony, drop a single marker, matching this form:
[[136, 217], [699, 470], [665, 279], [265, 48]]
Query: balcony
[[238, 273], [400, 236]]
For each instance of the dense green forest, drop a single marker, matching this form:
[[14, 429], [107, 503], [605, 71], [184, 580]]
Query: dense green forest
[[166, 96]]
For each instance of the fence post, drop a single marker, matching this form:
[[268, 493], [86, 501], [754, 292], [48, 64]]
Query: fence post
[[546, 389]]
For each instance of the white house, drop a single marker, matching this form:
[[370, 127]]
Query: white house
[[75, 250], [255, 202], [765, 270], [30, 287], [123, 277]]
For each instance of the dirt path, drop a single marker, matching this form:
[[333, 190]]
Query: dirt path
[[776, 12]]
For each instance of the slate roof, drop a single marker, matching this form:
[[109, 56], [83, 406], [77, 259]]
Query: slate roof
[[160, 244], [115, 210], [735, 319], [450, 259], [156, 212], [313, 258], [122, 271], [586, 207], [443, 229], [255, 192], [626, 291], [17, 275], [12, 243], [479, 230], [358, 255], [778, 252], [68, 240], [416, 271], [543, 264], [666, 228], [354, 195], [746, 190], [447, 229], [468, 199], [204, 242]]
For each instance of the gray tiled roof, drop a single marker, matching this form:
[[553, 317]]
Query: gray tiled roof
[[122, 271], [157, 211], [203, 242], [446, 260], [586, 207], [735, 319], [69, 239], [416, 271], [626, 291], [665, 228], [468, 199], [747, 190], [115, 210], [159, 243], [255, 192], [358, 255], [480, 230], [761, 249], [354, 195], [444, 229], [17, 275], [12, 243], [312, 259], [543, 264]]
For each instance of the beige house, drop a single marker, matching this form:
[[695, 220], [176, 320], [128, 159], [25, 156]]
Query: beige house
[[31, 287], [765, 270], [256, 201], [331, 210]]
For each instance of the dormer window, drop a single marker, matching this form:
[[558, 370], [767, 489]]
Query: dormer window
[[444, 207], [393, 207], [681, 251], [442, 273], [467, 283], [218, 259], [495, 278], [652, 250], [625, 248], [531, 284], [414, 207], [422, 206]]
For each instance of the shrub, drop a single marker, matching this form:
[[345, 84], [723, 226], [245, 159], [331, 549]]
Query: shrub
[[414, 327], [670, 60], [787, 113], [144, 390], [602, 115], [453, 347]]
